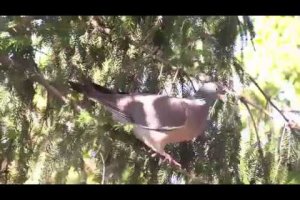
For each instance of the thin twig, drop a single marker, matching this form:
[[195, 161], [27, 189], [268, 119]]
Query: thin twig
[[244, 100], [175, 76], [160, 72], [103, 168], [269, 99], [291, 124], [263, 93]]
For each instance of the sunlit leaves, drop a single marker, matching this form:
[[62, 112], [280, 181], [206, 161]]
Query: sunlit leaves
[[276, 56], [84, 118], [275, 66]]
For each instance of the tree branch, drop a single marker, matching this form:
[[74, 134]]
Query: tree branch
[[175, 76], [291, 124], [269, 99], [36, 76], [263, 93], [245, 100], [103, 168], [260, 149]]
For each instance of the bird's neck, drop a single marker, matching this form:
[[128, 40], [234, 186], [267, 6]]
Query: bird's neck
[[208, 100]]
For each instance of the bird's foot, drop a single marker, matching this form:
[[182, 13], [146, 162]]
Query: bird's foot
[[165, 157], [171, 160]]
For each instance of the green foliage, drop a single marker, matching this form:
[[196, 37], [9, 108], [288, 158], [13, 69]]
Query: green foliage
[[45, 139], [274, 65]]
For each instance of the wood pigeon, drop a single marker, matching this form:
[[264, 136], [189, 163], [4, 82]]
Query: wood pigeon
[[158, 119]]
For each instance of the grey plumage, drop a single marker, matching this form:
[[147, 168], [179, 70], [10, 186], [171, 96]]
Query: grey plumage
[[158, 120]]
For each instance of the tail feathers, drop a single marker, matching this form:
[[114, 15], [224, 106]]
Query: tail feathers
[[105, 90], [86, 88], [94, 91], [77, 87], [101, 89]]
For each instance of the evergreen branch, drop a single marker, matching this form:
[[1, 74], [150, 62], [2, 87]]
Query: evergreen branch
[[291, 123], [260, 149], [38, 77], [162, 60], [280, 142], [269, 99], [155, 56], [136, 145], [263, 93], [103, 168], [167, 63], [152, 30]]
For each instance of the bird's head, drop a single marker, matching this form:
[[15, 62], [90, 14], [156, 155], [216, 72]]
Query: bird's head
[[211, 91]]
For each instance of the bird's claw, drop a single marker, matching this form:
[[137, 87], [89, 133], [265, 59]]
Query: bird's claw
[[166, 157], [171, 160]]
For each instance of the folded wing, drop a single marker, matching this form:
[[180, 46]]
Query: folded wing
[[154, 112]]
